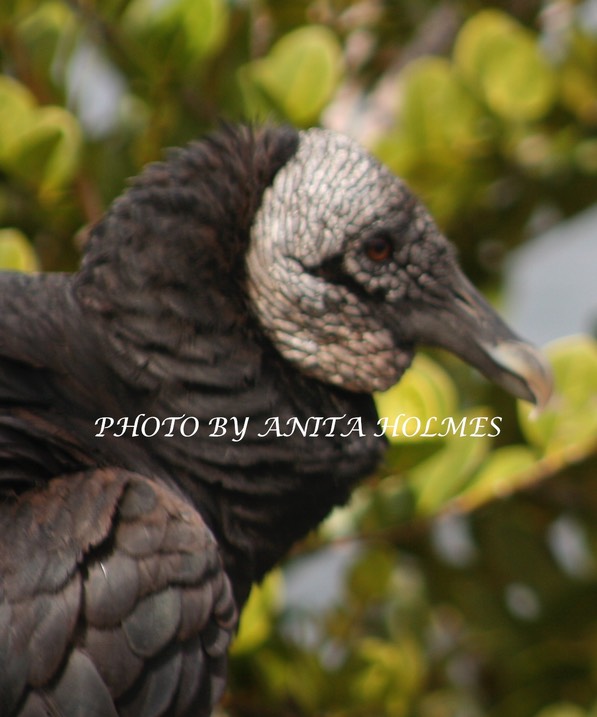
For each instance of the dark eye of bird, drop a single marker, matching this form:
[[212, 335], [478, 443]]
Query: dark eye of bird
[[379, 248]]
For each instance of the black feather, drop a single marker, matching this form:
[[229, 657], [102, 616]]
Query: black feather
[[125, 559]]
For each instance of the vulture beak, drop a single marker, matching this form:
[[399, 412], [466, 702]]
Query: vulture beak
[[467, 326]]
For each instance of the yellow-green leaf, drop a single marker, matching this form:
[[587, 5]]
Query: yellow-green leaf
[[204, 23], [40, 145], [500, 474], [424, 397], [256, 621], [186, 29], [432, 89], [46, 152], [45, 32], [568, 426], [504, 62], [390, 674], [16, 253], [17, 106], [63, 163], [438, 479], [300, 73]]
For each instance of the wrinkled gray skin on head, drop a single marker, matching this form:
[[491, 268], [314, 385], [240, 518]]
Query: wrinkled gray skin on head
[[348, 315], [326, 202]]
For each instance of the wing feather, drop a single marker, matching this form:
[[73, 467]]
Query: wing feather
[[113, 601]]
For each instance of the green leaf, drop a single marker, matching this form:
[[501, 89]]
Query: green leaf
[[499, 475], [204, 23], [432, 89], [46, 153], [504, 62], [391, 673], [299, 680], [17, 106], [62, 164], [33, 151], [568, 426], [40, 145], [256, 620], [425, 396], [16, 253], [47, 35], [438, 479], [300, 73], [189, 30], [441, 159]]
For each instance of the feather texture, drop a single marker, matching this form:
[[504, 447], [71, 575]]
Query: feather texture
[[231, 283]]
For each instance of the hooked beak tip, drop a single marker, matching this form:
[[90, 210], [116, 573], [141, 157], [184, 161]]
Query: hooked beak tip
[[525, 372]]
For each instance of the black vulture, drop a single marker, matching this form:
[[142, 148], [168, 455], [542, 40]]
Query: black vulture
[[257, 278]]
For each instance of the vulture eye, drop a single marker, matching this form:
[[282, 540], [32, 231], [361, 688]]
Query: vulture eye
[[379, 248]]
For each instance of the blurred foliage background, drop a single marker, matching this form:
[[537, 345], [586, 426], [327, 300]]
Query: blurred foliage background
[[462, 579]]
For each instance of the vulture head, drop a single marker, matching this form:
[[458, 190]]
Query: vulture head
[[348, 274], [271, 272], [298, 240]]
